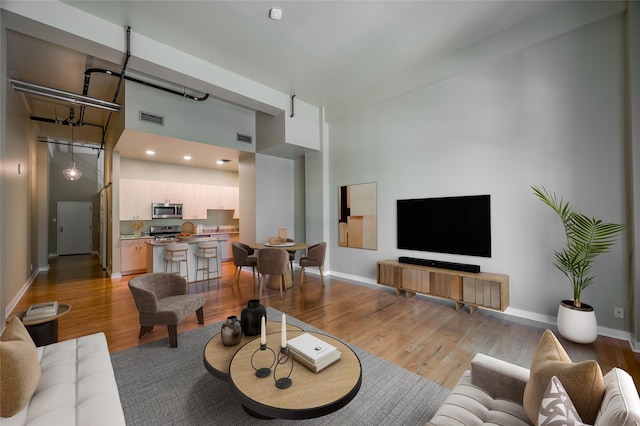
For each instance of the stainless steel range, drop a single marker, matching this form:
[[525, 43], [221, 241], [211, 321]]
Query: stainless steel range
[[165, 232]]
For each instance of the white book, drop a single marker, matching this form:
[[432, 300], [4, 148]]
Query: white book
[[316, 367], [310, 347], [40, 311]]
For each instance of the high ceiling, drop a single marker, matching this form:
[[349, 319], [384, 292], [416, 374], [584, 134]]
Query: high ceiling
[[326, 52]]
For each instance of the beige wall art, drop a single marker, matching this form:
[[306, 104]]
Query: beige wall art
[[357, 216]]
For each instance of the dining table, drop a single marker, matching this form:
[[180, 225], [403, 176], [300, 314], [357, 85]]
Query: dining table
[[274, 280]]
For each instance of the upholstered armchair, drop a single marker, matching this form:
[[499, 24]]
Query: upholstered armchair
[[273, 261], [243, 256], [163, 299], [314, 258]]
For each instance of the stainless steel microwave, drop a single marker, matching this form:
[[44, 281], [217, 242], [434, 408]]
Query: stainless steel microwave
[[166, 211]]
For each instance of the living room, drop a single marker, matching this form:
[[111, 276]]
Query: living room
[[490, 119], [547, 102]]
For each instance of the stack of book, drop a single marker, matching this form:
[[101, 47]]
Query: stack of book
[[312, 352], [41, 311]]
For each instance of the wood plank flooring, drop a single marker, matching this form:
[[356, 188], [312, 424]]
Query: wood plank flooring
[[423, 335]]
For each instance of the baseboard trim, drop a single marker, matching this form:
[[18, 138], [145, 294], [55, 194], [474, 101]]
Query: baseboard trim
[[14, 302]]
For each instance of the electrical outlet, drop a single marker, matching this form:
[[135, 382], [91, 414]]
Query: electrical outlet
[[618, 312]]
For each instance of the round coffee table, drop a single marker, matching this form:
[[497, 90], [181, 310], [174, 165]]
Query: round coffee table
[[217, 357], [310, 394]]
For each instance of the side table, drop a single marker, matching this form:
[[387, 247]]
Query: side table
[[44, 331]]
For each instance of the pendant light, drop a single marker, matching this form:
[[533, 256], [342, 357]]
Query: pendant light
[[72, 173]]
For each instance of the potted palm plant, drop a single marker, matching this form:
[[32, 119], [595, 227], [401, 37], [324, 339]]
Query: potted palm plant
[[586, 239]]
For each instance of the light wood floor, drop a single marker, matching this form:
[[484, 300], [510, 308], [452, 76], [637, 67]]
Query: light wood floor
[[426, 336]]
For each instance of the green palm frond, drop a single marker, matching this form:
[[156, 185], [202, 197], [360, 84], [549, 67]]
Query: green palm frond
[[587, 238]]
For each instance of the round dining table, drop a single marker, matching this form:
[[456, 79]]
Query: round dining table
[[274, 281]]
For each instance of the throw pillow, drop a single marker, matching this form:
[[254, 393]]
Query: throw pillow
[[583, 380], [621, 403], [19, 368], [557, 408]]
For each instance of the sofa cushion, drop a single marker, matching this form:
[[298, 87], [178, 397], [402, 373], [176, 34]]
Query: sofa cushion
[[19, 368], [621, 404], [583, 381], [77, 386], [471, 405], [557, 408]]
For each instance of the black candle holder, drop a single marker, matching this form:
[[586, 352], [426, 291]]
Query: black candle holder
[[263, 371], [283, 358]]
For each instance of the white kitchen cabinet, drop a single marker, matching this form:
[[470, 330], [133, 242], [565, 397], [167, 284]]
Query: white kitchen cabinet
[[222, 197], [166, 192], [195, 201], [135, 199], [233, 238]]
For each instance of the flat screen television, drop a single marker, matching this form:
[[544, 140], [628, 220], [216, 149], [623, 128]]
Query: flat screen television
[[455, 225]]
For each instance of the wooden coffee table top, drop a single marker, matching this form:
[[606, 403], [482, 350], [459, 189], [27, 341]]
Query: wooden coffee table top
[[310, 394], [217, 357]]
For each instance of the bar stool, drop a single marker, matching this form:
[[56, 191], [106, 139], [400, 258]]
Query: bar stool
[[176, 252], [207, 251]]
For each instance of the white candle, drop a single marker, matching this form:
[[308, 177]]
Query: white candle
[[263, 332], [283, 341]]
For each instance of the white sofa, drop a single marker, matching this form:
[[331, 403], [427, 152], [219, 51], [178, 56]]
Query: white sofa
[[77, 386], [495, 392]]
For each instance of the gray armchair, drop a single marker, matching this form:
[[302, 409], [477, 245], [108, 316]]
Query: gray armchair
[[243, 256], [163, 299], [314, 258]]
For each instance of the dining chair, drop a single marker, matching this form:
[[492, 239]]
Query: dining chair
[[292, 257], [243, 255], [314, 258], [273, 261]]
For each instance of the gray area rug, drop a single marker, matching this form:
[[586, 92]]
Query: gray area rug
[[163, 386]]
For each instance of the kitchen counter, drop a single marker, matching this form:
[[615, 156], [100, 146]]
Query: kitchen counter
[[156, 253]]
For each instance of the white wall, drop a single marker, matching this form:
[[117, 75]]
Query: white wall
[[546, 115], [274, 197]]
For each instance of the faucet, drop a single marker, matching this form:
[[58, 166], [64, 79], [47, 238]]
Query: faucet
[[218, 228]]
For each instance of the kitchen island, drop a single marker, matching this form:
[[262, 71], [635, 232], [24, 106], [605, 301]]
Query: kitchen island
[[156, 252]]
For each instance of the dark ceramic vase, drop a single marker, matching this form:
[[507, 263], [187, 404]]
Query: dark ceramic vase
[[251, 317], [231, 332]]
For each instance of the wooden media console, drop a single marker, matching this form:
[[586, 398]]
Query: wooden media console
[[482, 289]]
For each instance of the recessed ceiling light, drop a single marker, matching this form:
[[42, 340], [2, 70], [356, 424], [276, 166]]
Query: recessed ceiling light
[[150, 152], [222, 161], [187, 157]]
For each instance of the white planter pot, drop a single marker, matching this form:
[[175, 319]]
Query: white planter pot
[[577, 324]]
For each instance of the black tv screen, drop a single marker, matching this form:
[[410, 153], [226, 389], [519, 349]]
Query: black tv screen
[[456, 225]]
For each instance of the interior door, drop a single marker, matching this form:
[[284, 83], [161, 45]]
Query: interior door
[[74, 227]]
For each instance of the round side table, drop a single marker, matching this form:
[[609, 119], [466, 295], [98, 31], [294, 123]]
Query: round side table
[[44, 331]]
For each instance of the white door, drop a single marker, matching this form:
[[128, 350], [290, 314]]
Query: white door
[[74, 228]]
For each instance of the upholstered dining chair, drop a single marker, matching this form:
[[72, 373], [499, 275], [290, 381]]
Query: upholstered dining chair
[[162, 299], [243, 255], [314, 258], [292, 257], [273, 261]]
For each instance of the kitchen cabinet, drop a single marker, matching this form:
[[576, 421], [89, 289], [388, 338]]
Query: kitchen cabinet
[[195, 201], [222, 197], [227, 251], [135, 199], [133, 256], [166, 192]]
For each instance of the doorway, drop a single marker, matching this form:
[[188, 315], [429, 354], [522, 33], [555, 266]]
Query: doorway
[[74, 227]]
